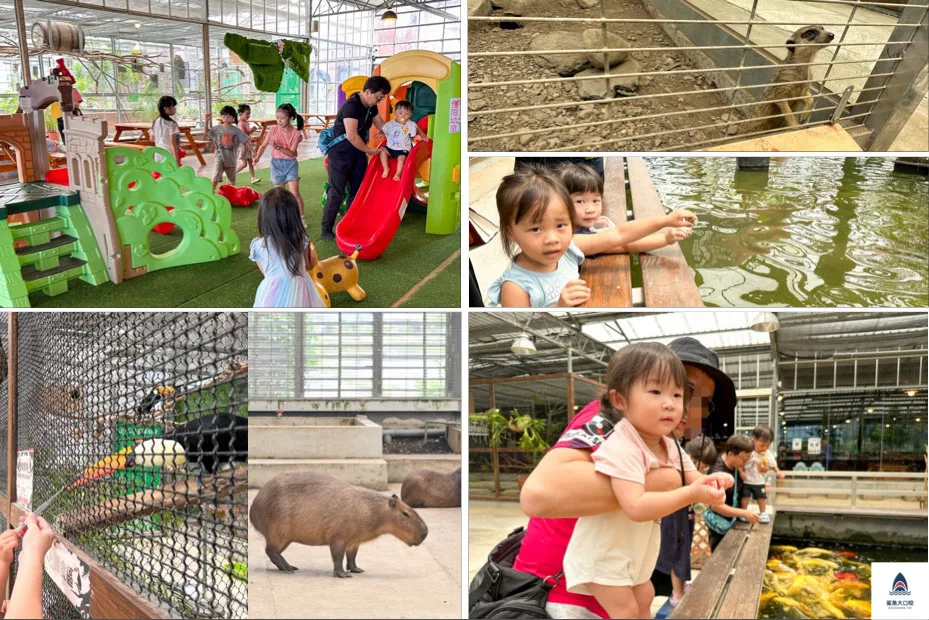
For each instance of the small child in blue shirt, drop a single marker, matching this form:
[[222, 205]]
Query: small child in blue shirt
[[536, 217]]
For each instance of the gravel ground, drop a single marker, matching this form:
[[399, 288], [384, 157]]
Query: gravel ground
[[487, 36]]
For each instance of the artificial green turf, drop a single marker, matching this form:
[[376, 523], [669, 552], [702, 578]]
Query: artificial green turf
[[439, 292], [231, 282]]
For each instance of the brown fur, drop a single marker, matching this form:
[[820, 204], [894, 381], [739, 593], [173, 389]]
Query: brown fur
[[430, 489], [798, 110], [317, 509]]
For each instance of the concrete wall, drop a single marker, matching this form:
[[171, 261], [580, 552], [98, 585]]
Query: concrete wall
[[849, 526], [316, 438]]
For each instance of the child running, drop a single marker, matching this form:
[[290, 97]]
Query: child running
[[247, 153], [227, 139], [165, 130], [536, 216], [282, 254], [283, 139], [612, 556], [597, 234], [400, 132]]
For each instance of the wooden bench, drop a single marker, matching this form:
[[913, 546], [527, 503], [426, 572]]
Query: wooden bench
[[817, 138], [666, 278], [129, 145], [730, 584], [609, 275]]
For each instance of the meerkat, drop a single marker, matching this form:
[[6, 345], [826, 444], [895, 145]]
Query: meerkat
[[791, 81]]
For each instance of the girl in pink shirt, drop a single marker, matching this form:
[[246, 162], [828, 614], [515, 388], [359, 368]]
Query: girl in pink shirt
[[611, 556], [247, 153], [283, 139]]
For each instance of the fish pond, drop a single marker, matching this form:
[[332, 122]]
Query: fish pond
[[820, 580], [809, 232]]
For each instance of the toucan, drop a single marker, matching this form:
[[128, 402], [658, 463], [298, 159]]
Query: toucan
[[155, 452], [209, 441]]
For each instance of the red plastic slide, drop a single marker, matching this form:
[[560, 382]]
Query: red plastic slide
[[374, 217]]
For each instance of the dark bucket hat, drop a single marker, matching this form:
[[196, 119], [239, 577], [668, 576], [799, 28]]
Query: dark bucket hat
[[691, 351]]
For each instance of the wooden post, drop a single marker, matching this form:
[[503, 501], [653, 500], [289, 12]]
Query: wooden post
[[495, 457], [12, 387]]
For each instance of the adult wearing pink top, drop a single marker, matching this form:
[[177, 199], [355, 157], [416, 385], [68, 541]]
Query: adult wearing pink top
[[565, 485]]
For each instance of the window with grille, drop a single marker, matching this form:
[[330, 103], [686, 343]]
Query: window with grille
[[355, 355]]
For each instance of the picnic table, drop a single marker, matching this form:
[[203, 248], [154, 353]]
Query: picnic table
[[145, 137], [321, 122], [263, 123]]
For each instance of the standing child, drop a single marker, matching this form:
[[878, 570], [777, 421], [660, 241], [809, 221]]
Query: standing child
[[400, 133], [754, 473], [282, 254], [536, 216], [247, 153], [165, 130], [227, 138], [597, 234], [611, 556], [283, 139]]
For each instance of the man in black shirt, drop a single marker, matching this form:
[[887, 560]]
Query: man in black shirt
[[348, 159], [734, 457]]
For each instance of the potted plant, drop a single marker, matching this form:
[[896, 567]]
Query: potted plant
[[51, 127], [531, 439]]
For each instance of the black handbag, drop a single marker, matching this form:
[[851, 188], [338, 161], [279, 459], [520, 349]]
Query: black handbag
[[499, 591]]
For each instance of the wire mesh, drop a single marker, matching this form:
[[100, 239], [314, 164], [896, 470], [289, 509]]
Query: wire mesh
[[142, 419], [659, 75]]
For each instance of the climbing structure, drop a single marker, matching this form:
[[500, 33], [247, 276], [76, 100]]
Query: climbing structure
[[46, 254], [98, 229], [203, 217]]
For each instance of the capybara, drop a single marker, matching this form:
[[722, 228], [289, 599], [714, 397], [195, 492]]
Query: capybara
[[318, 509], [430, 489]]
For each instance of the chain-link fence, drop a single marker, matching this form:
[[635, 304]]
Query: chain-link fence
[[142, 419]]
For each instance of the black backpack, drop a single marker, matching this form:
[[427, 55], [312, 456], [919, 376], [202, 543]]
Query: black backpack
[[501, 592]]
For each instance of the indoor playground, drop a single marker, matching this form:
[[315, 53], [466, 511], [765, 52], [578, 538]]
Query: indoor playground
[[94, 214]]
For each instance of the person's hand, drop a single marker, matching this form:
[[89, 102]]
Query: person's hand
[[763, 467], [681, 217], [673, 235], [208, 116], [710, 490], [748, 515], [9, 540], [38, 537], [573, 294], [780, 475]]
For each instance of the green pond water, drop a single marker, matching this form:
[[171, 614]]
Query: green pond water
[[812, 231]]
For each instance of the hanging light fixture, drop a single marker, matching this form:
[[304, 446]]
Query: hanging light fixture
[[523, 345], [389, 15], [765, 322]]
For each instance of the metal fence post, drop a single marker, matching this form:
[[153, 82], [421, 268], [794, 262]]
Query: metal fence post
[[904, 90]]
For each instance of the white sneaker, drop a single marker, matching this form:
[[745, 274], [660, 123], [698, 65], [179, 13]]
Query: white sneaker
[[764, 518], [255, 181]]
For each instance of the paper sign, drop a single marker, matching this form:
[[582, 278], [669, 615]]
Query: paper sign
[[454, 116], [24, 460], [813, 445], [796, 444], [71, 575]]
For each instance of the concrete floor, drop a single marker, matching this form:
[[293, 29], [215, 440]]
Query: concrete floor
[[399, 582]]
